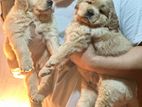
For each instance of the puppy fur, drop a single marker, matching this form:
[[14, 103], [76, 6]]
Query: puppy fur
[[95, 22], [25, 16]]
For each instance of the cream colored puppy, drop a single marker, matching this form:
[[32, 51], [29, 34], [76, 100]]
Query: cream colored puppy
[[26, 17], [95, 22]]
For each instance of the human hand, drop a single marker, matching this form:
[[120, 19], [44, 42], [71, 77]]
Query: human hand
[[84, 60]]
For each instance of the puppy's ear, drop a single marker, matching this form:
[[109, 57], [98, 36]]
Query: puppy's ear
[[26, 5], [22, 4]]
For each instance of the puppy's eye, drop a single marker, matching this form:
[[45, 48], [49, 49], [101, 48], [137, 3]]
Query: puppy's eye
[[89, 2], [102, 9]]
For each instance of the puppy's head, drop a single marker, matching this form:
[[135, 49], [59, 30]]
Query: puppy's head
[[43, 9], [89, 11]]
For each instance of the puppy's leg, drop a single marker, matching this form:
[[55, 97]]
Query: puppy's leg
[[88, 96], [63, 52], [45, 85], [32, 83], [112, 92], [20, 47], [55, 59], [53, 44], [45, 88], [10, 55]]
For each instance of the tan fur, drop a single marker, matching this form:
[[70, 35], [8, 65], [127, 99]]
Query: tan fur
[[25, 16], [102, 30]]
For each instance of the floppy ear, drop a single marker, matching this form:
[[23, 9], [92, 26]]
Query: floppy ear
[[26, 5], [105, 7], [22, 4]]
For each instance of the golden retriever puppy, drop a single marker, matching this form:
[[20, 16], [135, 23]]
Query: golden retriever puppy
[[95, 22], [26, 17]]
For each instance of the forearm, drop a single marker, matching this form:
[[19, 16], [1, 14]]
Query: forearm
[[129, 74], [128, 65], [132, 60]]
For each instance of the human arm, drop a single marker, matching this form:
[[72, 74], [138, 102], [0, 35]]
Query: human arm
[[128, 65], [63, 3]]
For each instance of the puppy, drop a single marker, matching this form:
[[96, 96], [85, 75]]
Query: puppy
[[95, 22], [30, 19]]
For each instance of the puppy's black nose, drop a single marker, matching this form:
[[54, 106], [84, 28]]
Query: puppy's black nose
[[49, 3], [89, 13]]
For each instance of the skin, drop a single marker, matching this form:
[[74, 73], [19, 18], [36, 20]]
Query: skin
[[128, 65], [63, 3]]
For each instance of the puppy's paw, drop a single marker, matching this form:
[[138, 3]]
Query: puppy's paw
[[53, 61], [84, 38], [81, 43], [46, 71], [37, 98], [26, 65], [84, 103]]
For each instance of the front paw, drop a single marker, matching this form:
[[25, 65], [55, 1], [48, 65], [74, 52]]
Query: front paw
[[26, 65], [46, 71], [53, 61], [37, 98]]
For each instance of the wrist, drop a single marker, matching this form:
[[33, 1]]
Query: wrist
[[101, 62], [109, 63]]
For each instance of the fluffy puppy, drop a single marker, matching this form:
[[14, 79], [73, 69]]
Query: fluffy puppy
[[95, 22], [26, 17]]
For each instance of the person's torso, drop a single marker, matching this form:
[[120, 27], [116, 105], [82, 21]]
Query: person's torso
[[129, 13]]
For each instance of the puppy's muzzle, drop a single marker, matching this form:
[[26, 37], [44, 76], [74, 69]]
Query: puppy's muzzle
[[48, 6]]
